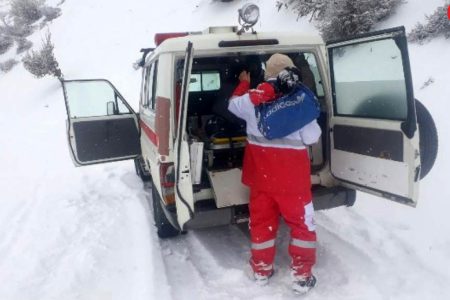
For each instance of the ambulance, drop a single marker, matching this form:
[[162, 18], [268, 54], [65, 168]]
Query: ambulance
[[376, 137]]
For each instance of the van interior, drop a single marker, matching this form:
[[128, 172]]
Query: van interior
[[218, 138]]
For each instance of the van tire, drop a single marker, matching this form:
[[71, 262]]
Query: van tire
[[164, 228], [428, 139], [140, 171], [351, 197]]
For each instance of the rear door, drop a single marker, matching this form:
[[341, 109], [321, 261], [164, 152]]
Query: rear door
[[373, 127], [101, 125], [183, 182]]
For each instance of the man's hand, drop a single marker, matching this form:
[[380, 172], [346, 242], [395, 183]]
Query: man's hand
[[244, 76], [244, 84]]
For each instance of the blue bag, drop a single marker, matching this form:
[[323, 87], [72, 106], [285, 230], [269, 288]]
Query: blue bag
[[287, 114]]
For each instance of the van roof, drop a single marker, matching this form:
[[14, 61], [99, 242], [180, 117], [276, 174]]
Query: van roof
[[215, 41]]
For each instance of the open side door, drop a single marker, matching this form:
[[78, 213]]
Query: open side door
[[184, 197], [373, 128], [101, 125]]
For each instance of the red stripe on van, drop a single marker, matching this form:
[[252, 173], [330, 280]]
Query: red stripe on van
[[162, 124], [149, 133]]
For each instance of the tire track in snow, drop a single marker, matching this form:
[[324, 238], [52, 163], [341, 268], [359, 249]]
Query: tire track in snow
[[212, 264], [69, 250], [19, 222], [357, 260], [213, 257], [73, 243]]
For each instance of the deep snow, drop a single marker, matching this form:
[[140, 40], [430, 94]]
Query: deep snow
[[87, 233]]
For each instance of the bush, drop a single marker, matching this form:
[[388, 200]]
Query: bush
[[303, 8], [43, 62], [6, 43], [344, 18], [50, 13], [17, 29], [6, 66], [23, 45], [437, 24], [26, 11]]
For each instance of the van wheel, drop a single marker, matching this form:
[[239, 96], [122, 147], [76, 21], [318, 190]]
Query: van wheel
[[164, 228], [351, 197], [428, 139], [140, 170]]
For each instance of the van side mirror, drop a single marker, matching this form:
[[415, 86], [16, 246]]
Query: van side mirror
[[111, 108]]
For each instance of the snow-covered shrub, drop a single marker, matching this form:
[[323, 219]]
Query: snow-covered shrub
[[6, 66], [303, 8], [6, 42], [342, 18], [26, 11], [50, 13], [43, 62], [15, 30], [437, 24], [23, 45]]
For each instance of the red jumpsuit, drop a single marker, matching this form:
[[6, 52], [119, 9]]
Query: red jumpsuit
[[278, 174]]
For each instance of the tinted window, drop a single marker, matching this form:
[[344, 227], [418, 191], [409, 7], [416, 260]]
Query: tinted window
[[144, 88], [211, 81], [205, 81], [93, 99], [195, 85], [369, 80], [151, 85]]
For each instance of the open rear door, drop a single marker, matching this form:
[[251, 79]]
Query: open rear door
[[373, 127], [183, 182], [101, 126]]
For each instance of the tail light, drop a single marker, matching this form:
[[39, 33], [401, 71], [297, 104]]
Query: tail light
[[167, 175]]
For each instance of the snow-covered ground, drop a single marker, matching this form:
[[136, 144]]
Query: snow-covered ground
[[87, 233]]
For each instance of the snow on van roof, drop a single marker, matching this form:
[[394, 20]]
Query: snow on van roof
[[230, 40]]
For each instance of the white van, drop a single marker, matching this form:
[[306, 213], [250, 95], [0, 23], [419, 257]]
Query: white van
[[184, 140]]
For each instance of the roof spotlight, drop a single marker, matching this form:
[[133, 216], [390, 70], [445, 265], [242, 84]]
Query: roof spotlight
[[248, 16]]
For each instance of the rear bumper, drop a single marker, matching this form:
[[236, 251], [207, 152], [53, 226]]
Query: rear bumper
[[323, 198]]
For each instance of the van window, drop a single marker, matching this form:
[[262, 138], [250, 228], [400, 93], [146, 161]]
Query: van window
[[144, 87], [369, 80], [311, 59], [150, 86], [205, 81], [94, 98], [154, 74]]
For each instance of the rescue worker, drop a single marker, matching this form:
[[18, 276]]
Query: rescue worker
[[278, 174]]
